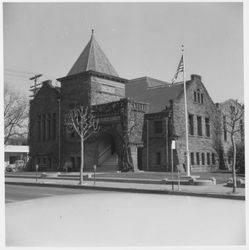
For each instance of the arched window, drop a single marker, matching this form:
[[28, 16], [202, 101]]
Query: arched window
[[202, 98], [198, 95], [195, 96]]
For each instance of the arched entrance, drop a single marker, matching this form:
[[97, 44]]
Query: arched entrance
[[107, 157]]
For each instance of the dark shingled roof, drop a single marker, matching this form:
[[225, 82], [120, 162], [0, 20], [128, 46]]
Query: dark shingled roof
[[157, 95], [93, 58]]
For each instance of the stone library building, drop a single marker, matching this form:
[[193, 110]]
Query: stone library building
[[138, 119]]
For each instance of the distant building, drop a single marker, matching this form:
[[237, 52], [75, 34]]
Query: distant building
[[225, 136], [147, 111], [12, 153]]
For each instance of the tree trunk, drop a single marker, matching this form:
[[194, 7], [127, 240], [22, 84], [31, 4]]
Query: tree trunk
[[234, 164], [82, 161]]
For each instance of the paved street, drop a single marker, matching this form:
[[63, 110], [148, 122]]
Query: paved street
[[98, 218], [15, 193]]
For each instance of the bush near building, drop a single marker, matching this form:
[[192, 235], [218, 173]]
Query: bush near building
[[240, 157]]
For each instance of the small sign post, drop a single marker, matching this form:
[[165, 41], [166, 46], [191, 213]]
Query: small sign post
[[178, 175], [36, 170], [94, 169], [173, 146]]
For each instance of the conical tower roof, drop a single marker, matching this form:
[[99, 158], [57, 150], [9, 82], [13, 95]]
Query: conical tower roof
[[93, 58]]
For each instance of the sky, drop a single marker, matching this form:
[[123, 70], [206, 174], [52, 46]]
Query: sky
[[140, 39]]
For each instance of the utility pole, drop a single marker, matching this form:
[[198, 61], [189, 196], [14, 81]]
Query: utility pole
[[34, 88]]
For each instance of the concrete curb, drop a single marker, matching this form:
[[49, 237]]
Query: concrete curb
[[132, 190], [110, 179]]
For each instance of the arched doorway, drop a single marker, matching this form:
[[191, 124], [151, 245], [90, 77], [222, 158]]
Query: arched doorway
[[107, 157]]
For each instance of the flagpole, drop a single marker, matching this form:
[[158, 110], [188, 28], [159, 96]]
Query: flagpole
[[186, 114]]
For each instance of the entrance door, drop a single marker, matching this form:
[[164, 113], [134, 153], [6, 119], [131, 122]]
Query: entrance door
[[139, 159]]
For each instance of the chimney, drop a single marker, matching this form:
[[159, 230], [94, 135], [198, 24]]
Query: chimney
[[195, 77]]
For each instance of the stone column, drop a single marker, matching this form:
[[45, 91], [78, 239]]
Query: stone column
[[133, 149]]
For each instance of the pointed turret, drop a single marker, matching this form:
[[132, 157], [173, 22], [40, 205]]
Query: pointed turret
[[93, 58]]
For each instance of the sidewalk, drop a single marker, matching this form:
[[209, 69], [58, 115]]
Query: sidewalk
[[212, 191]]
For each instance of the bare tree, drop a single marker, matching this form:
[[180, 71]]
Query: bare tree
[[15, 114], [234, 115], [83, 122]]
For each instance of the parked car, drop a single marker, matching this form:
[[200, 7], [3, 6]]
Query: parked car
[[10, 168], [19, 164]]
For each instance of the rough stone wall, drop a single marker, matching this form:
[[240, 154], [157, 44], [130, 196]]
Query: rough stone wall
[[104, 90], [45, 102], [84, 89], [135, 124], [200, 144], [158, 142], [75, 91]]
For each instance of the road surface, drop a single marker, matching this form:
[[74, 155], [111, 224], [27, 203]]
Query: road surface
[[51, 217], [15, 193]]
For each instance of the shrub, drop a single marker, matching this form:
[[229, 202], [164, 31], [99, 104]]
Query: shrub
[[240, 157]]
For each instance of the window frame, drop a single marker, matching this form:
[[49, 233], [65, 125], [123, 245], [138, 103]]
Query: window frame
[[158, 158], [199, 125], [191, 124], [207, 126], [158, 129]]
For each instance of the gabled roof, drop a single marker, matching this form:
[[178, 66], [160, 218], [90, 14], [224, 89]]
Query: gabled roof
[[92, 58], [48, 84], [155, 92]]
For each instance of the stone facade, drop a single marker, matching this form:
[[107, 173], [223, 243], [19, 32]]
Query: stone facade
[[203, 144], [43, 127], [138, 120]]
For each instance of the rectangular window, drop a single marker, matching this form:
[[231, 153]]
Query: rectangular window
[[195, 99], [202, 158], [191, 124], [199, 125], [225, 128], [197, 159], [207, 121], [49, 126], [158, 158], [158, 127], [213, 159], [192, 158], [44, 160], [202, 98], [78, 162], [54, 126], [39, 128], [208, 158], [73, 162], [44, 127]]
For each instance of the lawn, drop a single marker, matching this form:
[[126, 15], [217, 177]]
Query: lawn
[[219, 176]]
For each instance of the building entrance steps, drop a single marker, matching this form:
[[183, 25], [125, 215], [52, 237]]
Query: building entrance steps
[[109, 165]]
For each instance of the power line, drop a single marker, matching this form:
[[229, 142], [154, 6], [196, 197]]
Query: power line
[[13, 75], [20, 71]]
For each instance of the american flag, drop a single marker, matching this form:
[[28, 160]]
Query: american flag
[[179, 69]]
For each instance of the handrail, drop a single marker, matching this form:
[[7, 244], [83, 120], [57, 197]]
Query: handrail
[[104, 151]]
